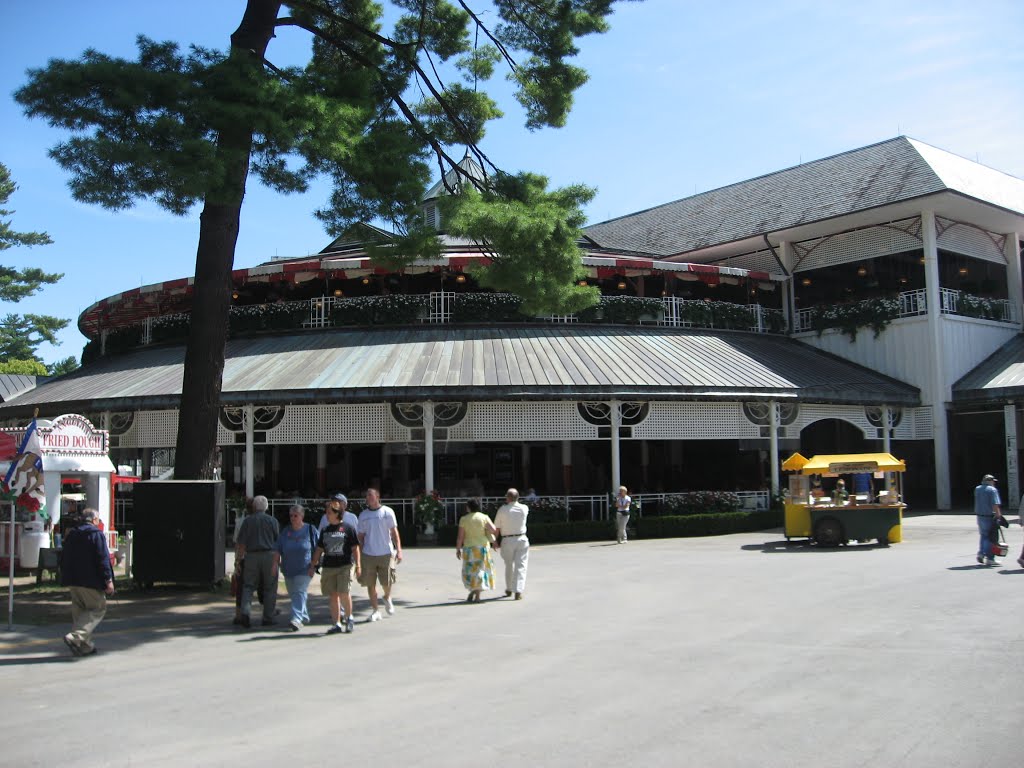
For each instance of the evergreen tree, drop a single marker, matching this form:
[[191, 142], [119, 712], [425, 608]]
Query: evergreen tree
[[370, 111]]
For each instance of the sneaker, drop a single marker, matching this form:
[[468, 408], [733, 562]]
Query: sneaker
[[375, 616], [1020, 561], [335, 630], [72, 643], [981, 560], [389, 606], [519, 595], [244, 621], [350, 625], [507, 593], [991, 561], [296, 626]]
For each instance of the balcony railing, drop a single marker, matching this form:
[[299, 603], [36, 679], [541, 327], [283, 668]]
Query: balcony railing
[[951, 302]]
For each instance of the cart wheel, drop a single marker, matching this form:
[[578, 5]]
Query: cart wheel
[[828, 532]]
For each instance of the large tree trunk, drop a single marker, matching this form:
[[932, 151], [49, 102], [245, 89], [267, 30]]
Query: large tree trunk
[[215, 256]]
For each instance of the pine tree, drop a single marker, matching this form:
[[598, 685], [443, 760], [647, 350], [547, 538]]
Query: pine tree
[[371, 111]]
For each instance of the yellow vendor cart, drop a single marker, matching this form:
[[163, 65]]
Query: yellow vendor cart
[[834, 518]]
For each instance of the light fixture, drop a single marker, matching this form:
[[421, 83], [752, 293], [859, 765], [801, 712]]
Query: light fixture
[[366, 281], [460, 278], [862, 271], [921, 260], [903, 281], [338, 293], [753, 291], [234, 294], [622, 285], [962, 271], [582, 283], [664, 292], [805, 281]]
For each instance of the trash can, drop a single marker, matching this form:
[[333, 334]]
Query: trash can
[[33, 538]]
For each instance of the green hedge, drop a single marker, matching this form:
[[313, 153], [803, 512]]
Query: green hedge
[[646, 528]]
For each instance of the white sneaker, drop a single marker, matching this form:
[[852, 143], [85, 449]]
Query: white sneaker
[[375, 616], [389, 606]]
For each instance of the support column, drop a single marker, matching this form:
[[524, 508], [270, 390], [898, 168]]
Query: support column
[[1013, 275], [645, 461], [524, 463], [938, 390], [250, 460], [616, 420], [321, 467], [566, 467], [788, 288], [1012, 470], [773, 444], [428, 446]]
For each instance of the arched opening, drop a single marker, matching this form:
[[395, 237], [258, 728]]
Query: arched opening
[[834, 436]]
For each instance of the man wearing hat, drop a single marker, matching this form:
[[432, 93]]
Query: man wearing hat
[[340, 502], [986, 507]]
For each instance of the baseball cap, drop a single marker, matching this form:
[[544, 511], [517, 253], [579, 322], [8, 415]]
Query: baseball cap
[[340, 497], [989, 477]]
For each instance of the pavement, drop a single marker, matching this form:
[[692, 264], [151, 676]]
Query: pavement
[[739, 650]]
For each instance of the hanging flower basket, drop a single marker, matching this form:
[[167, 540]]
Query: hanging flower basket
[[429, 510]]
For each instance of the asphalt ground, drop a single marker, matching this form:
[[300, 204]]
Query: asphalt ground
[[737, 650]]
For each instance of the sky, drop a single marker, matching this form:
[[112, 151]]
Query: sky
[[683, 97]]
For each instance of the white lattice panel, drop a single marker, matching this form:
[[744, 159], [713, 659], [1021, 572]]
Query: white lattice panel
[[760, 261], [854, 414], [970, 241], [695, 421], [224, 436], [921, 418], [368, 423], [151, 429], [867, 243], [523, 421]]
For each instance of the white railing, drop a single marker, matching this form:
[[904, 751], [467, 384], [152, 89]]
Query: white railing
[[441, 307], [913, 303]]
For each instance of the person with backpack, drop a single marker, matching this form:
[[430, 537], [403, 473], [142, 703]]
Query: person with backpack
[[294, 554]]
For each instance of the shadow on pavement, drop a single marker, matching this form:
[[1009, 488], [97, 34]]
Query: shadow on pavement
[[804, 547]]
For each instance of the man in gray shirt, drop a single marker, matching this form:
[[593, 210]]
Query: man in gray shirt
[[255, 544]]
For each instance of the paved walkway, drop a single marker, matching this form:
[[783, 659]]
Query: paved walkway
[[724, 651]]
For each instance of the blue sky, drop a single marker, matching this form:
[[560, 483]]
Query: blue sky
[[683, 97]]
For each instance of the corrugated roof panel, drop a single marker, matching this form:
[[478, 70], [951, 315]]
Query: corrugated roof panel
[[452, 362]]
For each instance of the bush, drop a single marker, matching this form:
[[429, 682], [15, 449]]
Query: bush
[[487, 308], [268, 317], [622, 310], [700, 502], [705, 524], [392, 309]]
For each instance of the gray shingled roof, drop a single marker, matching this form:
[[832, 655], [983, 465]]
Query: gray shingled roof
[[466, 363], [881, 174], [998, 378]]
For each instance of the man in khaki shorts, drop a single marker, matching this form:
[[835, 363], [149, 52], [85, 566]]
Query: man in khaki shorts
[[381, 548]]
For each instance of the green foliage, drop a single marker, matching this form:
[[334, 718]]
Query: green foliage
[[532, 236], [622, 310], [705, 524], [268, 317], [23, 367], [849, 318], [17, 284], [67, 365], [976, 306], [392, 309], [700, 502], [21, 335], [486, 308]]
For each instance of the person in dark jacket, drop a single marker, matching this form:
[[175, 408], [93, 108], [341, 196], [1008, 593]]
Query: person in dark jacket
[[86, 572]]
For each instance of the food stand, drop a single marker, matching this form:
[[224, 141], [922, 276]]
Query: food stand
[[71, 448], [830, 521]]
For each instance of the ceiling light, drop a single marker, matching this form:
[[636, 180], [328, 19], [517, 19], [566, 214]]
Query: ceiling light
[[366, 281], [805, 281], [962, 271], [338, 293], [460, 278], [861, 271], [622, 285]]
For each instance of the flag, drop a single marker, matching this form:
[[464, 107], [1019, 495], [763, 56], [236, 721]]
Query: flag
[[25, 477], [8, 446]]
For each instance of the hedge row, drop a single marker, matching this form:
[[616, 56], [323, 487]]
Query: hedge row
[[646, 528]]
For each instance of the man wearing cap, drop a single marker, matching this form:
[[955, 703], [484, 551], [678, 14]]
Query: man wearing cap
[[986, 507], [340, 502], [86, 572]]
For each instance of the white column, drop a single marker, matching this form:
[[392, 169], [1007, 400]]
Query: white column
[[321, 467], [886, 430], [428, 445], [567, 466], [773, 443], [250, 461], [788, 288], [938, 389], [1012, 470], [616, 421], [1013, 277]]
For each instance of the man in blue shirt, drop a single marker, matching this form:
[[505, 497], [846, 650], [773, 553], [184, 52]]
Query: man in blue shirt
[[986, 507]]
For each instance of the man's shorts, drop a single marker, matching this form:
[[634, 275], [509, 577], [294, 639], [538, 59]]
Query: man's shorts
[[335, 579], [378, 568]]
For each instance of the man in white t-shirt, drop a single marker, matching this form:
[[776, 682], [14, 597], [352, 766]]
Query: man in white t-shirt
[[515, 547], [381, 548]]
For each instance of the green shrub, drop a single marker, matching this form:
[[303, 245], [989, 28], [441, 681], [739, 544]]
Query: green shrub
[[700, 502], [486, 308], [705, 524], [392, 309]]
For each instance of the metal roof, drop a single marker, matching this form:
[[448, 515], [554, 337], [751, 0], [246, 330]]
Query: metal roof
[[11, 385], [483, 363], [998, 378], [889, 172]]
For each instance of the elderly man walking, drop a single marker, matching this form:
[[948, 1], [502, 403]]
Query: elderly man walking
[[256, 544], [986, 507], [86, 571], [515, 547]]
